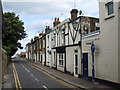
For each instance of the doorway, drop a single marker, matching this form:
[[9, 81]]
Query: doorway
[[85, 65], [76, 63]]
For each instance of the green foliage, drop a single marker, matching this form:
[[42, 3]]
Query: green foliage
[[13, 32]]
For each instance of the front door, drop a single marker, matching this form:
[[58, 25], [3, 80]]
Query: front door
[[76, 63], [85, 65]]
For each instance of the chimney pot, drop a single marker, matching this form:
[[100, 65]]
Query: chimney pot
[[56, 22], [55, 19], [58, 19], [74, 13]]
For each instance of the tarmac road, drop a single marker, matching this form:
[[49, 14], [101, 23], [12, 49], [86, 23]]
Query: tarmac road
[[27, 76]]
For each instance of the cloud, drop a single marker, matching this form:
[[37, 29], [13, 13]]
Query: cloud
[[37, 14]]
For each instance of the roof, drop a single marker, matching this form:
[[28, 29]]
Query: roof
[[23, 53]]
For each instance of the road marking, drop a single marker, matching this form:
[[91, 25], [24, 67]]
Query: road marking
[[58, 80], [16, 85], [16, 76], [45, 87], [34, 77], [23, 66], [27, 69], [31, 75], [29, 72]]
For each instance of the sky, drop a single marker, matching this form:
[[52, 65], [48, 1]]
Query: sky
[[36, 14]]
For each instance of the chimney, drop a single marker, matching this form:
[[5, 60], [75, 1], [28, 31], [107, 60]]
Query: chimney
[[74, 13], [56, 22], [47, 29], [31, 39]]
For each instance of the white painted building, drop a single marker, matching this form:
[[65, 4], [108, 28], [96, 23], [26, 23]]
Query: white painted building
[[66, 44], [68, 51], [42, 47], [59, 34], [109, 58], [76, 63], [48, 46]]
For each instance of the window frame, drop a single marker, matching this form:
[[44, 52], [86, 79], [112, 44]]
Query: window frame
[[109, 8], [61, 59]]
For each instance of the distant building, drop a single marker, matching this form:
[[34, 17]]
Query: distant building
[[23, 54], [42, 48]]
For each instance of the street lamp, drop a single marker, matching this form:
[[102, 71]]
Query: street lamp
[[93, 69], [80, 31]]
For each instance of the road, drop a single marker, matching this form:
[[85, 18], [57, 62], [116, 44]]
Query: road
[[24, 75]]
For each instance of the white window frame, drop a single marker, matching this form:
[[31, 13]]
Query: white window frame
[[61, 58], [63, 37], [108, 8], [97, 25]]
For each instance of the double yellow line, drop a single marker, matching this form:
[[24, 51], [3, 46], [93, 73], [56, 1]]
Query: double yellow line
[[17, 81]]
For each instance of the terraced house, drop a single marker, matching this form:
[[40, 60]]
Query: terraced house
[[68, 45]]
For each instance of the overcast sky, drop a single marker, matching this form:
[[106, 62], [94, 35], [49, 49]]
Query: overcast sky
[[36, 14]]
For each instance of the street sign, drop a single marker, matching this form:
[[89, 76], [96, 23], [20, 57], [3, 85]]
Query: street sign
[[92, 47]]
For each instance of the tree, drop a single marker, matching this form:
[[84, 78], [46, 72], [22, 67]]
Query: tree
[[13, 32]]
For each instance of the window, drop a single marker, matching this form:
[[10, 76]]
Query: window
[[63, 37], [61, 59], [54, 40], [48, 41], [110, 8], [97, 26]]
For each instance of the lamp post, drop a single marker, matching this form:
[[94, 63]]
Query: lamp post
[[92, 52], [80, 31]]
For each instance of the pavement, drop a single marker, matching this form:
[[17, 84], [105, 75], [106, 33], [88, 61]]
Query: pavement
[[78, 82], [0, 86], [7, 79]]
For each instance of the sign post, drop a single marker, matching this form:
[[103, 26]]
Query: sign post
[[92, 52]]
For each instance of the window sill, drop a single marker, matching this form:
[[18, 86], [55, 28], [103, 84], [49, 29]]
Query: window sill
[[110, 16], [60, 65]]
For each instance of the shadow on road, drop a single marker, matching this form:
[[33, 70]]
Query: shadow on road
[[18, 60]]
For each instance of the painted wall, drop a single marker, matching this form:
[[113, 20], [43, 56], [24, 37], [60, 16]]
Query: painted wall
[[54, 58], [119, 43], [86, 48], [109, 56], [70, 59], [48, 49]]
